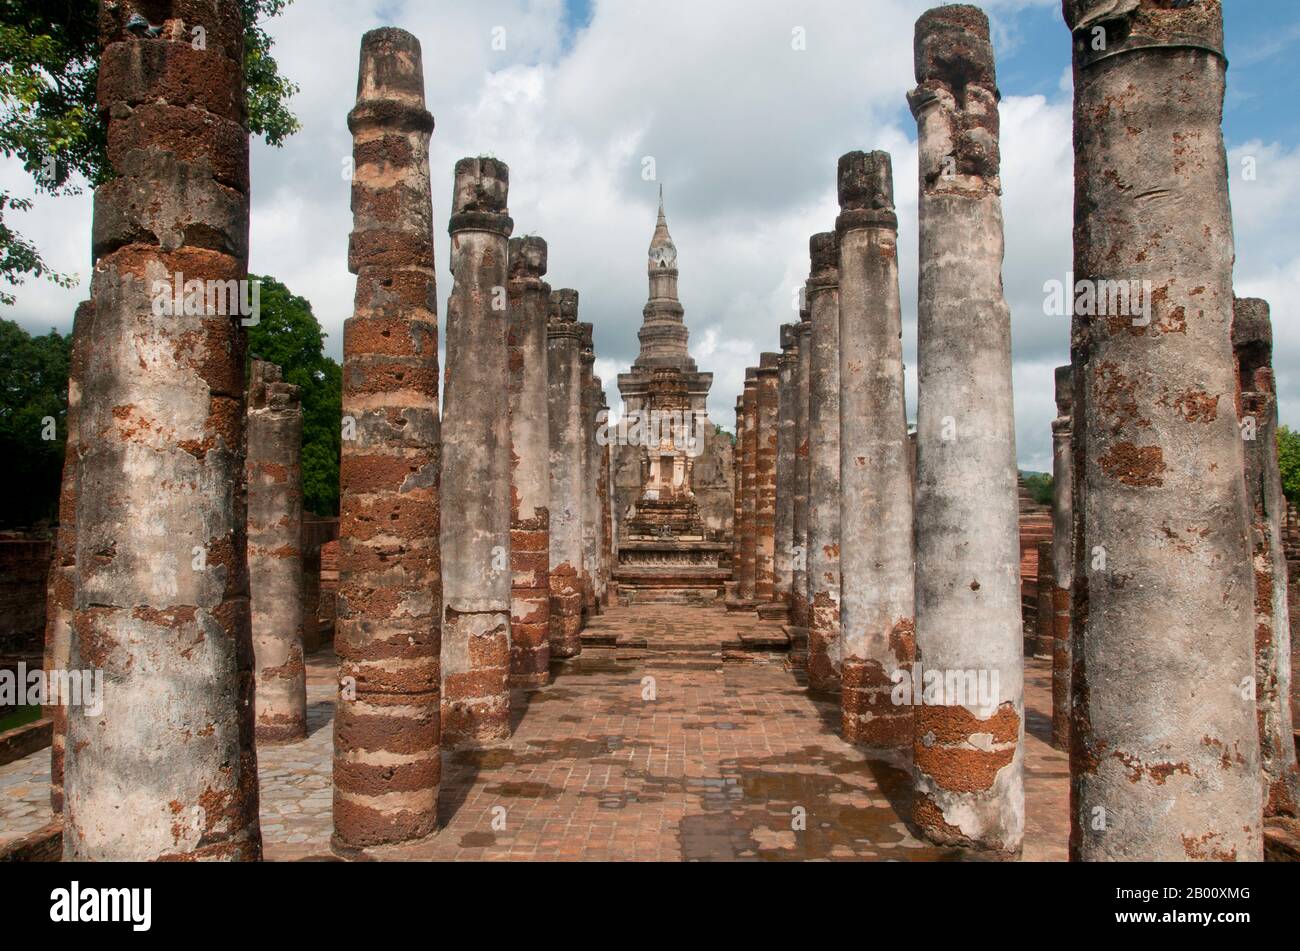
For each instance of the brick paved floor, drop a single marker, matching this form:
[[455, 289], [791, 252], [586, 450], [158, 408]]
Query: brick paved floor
[[652, 749]]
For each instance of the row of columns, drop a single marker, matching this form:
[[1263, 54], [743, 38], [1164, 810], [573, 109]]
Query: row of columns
[[515, 512], [911, 577], [475, 538], [1178, 721]]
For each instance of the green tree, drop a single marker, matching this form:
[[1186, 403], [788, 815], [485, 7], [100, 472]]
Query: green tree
[[288, 335], [33, 424], [1288, 460], [48, 117], [1039, 485]]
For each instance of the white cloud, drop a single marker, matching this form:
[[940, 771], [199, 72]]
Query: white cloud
[[745, 132]]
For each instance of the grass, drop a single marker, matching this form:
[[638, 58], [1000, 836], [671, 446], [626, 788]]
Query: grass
[[28, 713]]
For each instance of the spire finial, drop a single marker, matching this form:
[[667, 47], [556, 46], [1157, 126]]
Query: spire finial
[[661, 202]]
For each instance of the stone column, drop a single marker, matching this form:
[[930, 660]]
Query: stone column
[[476, 575], [969, 749], [1163, 738], [530, 496], [749, 495], [824, 467], [768, 397], [388, 627], [787, 435], [603, 491], [737, 500], [588, 401], [564, 394], [274, 474], [168, 767], [1252, 338], [1062, 556], [876, 570], [596, 496], [799, 612], [61, 592]]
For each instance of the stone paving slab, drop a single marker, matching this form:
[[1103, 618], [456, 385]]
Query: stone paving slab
[[664, 754]]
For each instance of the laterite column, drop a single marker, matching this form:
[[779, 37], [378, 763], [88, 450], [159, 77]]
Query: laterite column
[[530, 474], [386, 723], [476, 570]]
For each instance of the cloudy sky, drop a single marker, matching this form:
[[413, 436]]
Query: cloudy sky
[[744, 131]]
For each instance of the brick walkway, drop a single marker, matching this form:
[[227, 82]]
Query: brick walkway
[[652, 749]]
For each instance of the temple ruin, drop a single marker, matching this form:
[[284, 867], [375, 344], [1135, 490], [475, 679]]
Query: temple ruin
[[552, 629], [672, 496]]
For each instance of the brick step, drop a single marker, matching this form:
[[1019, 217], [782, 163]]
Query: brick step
[[746, 656], [677, 663], [638, 643]]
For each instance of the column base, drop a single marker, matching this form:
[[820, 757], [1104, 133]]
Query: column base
[[392, 852]]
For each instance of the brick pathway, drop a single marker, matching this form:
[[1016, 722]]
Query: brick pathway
[[652, 749]]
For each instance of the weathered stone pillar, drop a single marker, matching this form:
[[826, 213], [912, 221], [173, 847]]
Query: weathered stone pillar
[[61, 592], [476, 574], [768, 397], [564, 395], [824, 466], [749, 494], [588, 402], [968, 749], [168, 768], [1062, 556], [737, 501], [387, 631], [274, 474], [1252, 338], [597, 495], [604, 493], [876, 569], [1163, 741], [799, 612], [787, 436], [530, 482]]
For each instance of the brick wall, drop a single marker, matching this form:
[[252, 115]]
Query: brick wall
[[320, 580], [1035, 528], [24, 568]]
